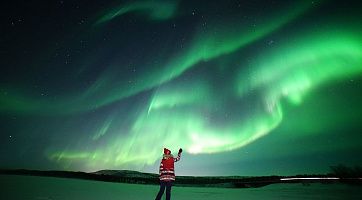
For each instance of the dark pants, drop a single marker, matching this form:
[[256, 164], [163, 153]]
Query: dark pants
[[163, 185]]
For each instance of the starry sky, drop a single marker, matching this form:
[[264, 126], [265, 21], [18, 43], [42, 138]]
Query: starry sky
[[244, 87]]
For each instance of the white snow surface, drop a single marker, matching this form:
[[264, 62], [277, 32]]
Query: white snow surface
[[14, 187]]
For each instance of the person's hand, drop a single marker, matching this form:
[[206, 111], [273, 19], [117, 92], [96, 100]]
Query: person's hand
[[180, 151]]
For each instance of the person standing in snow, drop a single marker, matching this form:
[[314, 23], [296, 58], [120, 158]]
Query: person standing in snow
[[167, 173]]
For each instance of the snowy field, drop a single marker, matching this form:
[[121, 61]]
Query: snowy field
[[49, 188]]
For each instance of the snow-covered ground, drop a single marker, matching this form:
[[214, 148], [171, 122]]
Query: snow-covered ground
[[49, 188]]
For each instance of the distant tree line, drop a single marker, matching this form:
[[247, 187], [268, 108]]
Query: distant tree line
[[348, 175], [342, 171]]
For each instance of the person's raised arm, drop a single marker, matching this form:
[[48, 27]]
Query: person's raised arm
[[178, 155]]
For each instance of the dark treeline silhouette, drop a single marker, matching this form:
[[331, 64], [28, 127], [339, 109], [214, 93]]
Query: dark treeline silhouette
[[346, 175], [343, 171], [83, 175]]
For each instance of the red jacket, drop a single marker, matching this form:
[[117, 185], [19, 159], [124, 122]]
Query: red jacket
[[167, 169]]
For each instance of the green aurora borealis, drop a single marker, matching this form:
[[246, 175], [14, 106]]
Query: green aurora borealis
[[246, 88]]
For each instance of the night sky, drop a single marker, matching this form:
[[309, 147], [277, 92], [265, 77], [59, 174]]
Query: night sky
[[244, 87]]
